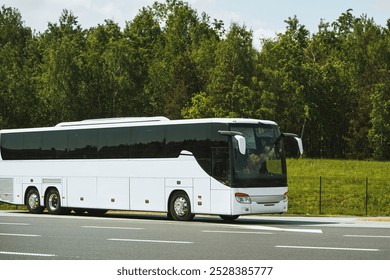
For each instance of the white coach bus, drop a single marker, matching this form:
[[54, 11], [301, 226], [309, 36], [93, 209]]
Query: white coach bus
[[226, 167]]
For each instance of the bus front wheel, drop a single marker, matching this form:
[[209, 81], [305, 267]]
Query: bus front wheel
[[180, 207]]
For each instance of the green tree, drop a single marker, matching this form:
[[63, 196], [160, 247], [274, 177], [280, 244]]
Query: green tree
[[109, 74], [17, 96], [332, 86], [359, 49], [174, 75], [229, 91], [282, 76], [379, 133], [61, 74], [144, 36]]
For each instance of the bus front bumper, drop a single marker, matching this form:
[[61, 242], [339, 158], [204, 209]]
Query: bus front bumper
[[260, 204]]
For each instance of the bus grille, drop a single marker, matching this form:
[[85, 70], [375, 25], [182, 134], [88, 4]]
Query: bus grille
[[265, 199]]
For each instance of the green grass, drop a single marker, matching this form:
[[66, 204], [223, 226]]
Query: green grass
[[338, 168], [347, 187], [5, 206]]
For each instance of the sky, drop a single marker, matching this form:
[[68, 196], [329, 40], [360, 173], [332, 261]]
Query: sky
[[264, 17]]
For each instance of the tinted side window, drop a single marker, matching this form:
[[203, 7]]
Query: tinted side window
[[195, 138], [54, 145], [11, 146], [32, 143], [147, 142], [83, 144], [114, 143]]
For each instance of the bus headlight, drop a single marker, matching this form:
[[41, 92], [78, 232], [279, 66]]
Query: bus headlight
[[243, 198]]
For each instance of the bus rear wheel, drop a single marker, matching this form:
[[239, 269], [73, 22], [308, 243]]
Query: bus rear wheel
[[33, 202], [53, 203], [180, 207]]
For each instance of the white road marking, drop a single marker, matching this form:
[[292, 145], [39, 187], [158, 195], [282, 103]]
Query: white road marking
[[151, 241], [367, 236], [278, 229], [328, 248], [99, 227], [15, 224], [26, 254], [230, 231], [19, 234]]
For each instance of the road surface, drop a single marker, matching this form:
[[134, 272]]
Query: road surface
[[132, 236]]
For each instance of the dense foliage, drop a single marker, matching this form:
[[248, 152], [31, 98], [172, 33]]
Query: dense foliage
[[333, 86]]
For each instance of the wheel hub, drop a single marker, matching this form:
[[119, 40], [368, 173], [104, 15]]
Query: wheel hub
[[33, 201], [53, 201], [181, 206]]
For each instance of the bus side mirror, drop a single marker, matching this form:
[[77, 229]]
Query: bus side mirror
[[300, 144], [241, 143], [299, 140], [238, 136]]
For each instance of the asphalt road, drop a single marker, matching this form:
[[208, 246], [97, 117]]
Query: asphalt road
[[129, 236]]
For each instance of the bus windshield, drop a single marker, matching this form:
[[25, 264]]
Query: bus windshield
[[263, 164]]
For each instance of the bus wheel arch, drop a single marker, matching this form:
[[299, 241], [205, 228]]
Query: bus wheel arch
[[179, 206], [32, 200]]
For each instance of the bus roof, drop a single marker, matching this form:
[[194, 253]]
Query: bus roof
[[112, 121], [124, 122]]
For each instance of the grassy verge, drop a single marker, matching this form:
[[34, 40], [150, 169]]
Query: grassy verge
[[339, 187], [5, 206]]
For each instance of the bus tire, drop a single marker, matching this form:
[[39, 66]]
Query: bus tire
[[180, 207], [53, 202], [33, 202]]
